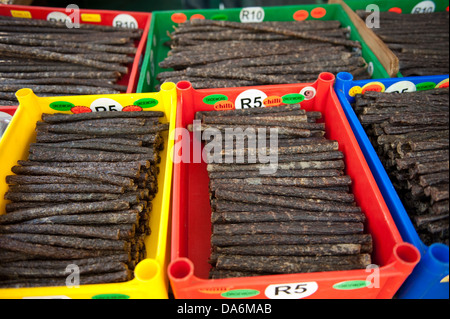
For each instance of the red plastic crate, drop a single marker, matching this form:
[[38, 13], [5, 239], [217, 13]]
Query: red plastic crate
[[99, 17], [191, 225]]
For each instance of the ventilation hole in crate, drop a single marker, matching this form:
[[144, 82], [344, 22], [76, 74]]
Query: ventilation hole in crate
[[180, 269]]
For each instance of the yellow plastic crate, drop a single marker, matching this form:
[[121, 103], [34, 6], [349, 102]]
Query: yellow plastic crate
[[150, 280]]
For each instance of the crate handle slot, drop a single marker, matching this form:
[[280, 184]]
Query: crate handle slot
[[181, 269], [147, 270]]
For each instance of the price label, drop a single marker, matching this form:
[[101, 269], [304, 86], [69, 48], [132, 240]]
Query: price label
[[308, 92], [21, 14], [56, 16], [374, 87], [105, 104], [297, 290], [401, 87], [355, 90], [125, 21], [424, 7], [250, 99], [252, 14]]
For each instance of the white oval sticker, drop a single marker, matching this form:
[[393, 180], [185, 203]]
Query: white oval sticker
[[295, 290], [105, 104], [125, 21], [252, 14], [402, 86], [250, 99], [56, 16], [424, 7], [308, 92]]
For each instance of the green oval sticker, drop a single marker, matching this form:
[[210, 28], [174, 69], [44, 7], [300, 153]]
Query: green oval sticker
[[222, 17], [425, 86], [240, 293], [61, 105], [214, 98], [293, 98], [351, 284], [111, 296], [146, 103]]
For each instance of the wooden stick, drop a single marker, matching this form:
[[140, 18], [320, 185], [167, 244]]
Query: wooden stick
[[131, 216], [263, 28], [112, 277], [283, 216], [292, 250], [63, 209], [310, 182], [284, 264], [59, 229], [334, 164], [48, 251], [62, 57], [298, 228], [300, 192], [68, 241], [72, 172], [289, 239]]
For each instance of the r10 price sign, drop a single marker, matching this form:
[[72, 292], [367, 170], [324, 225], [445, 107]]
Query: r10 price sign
[[252, 14]]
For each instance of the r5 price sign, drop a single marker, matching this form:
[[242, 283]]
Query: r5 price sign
[[250, 99], [295, 290]]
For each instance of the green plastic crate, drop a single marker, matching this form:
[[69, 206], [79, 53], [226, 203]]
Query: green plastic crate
[[406, 6], [162, 24], [401, 6]]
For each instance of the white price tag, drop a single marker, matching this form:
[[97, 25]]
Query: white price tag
[[295, 290], [308, 92], [105, 104], [252, 14], [250, 99], [424, 7], [56, 16], [125, 21], [402, 86]]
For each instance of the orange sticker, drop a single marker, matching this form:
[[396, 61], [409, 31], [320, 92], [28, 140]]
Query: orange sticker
[[301, 15], [179, 17], [212, 291], [273, 100], [373, 86], [442, 84], [224, 105], [318, 13], [396, 10], [198, 16]]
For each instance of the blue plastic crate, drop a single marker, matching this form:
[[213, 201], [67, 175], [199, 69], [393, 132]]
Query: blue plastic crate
[[429, 279]]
